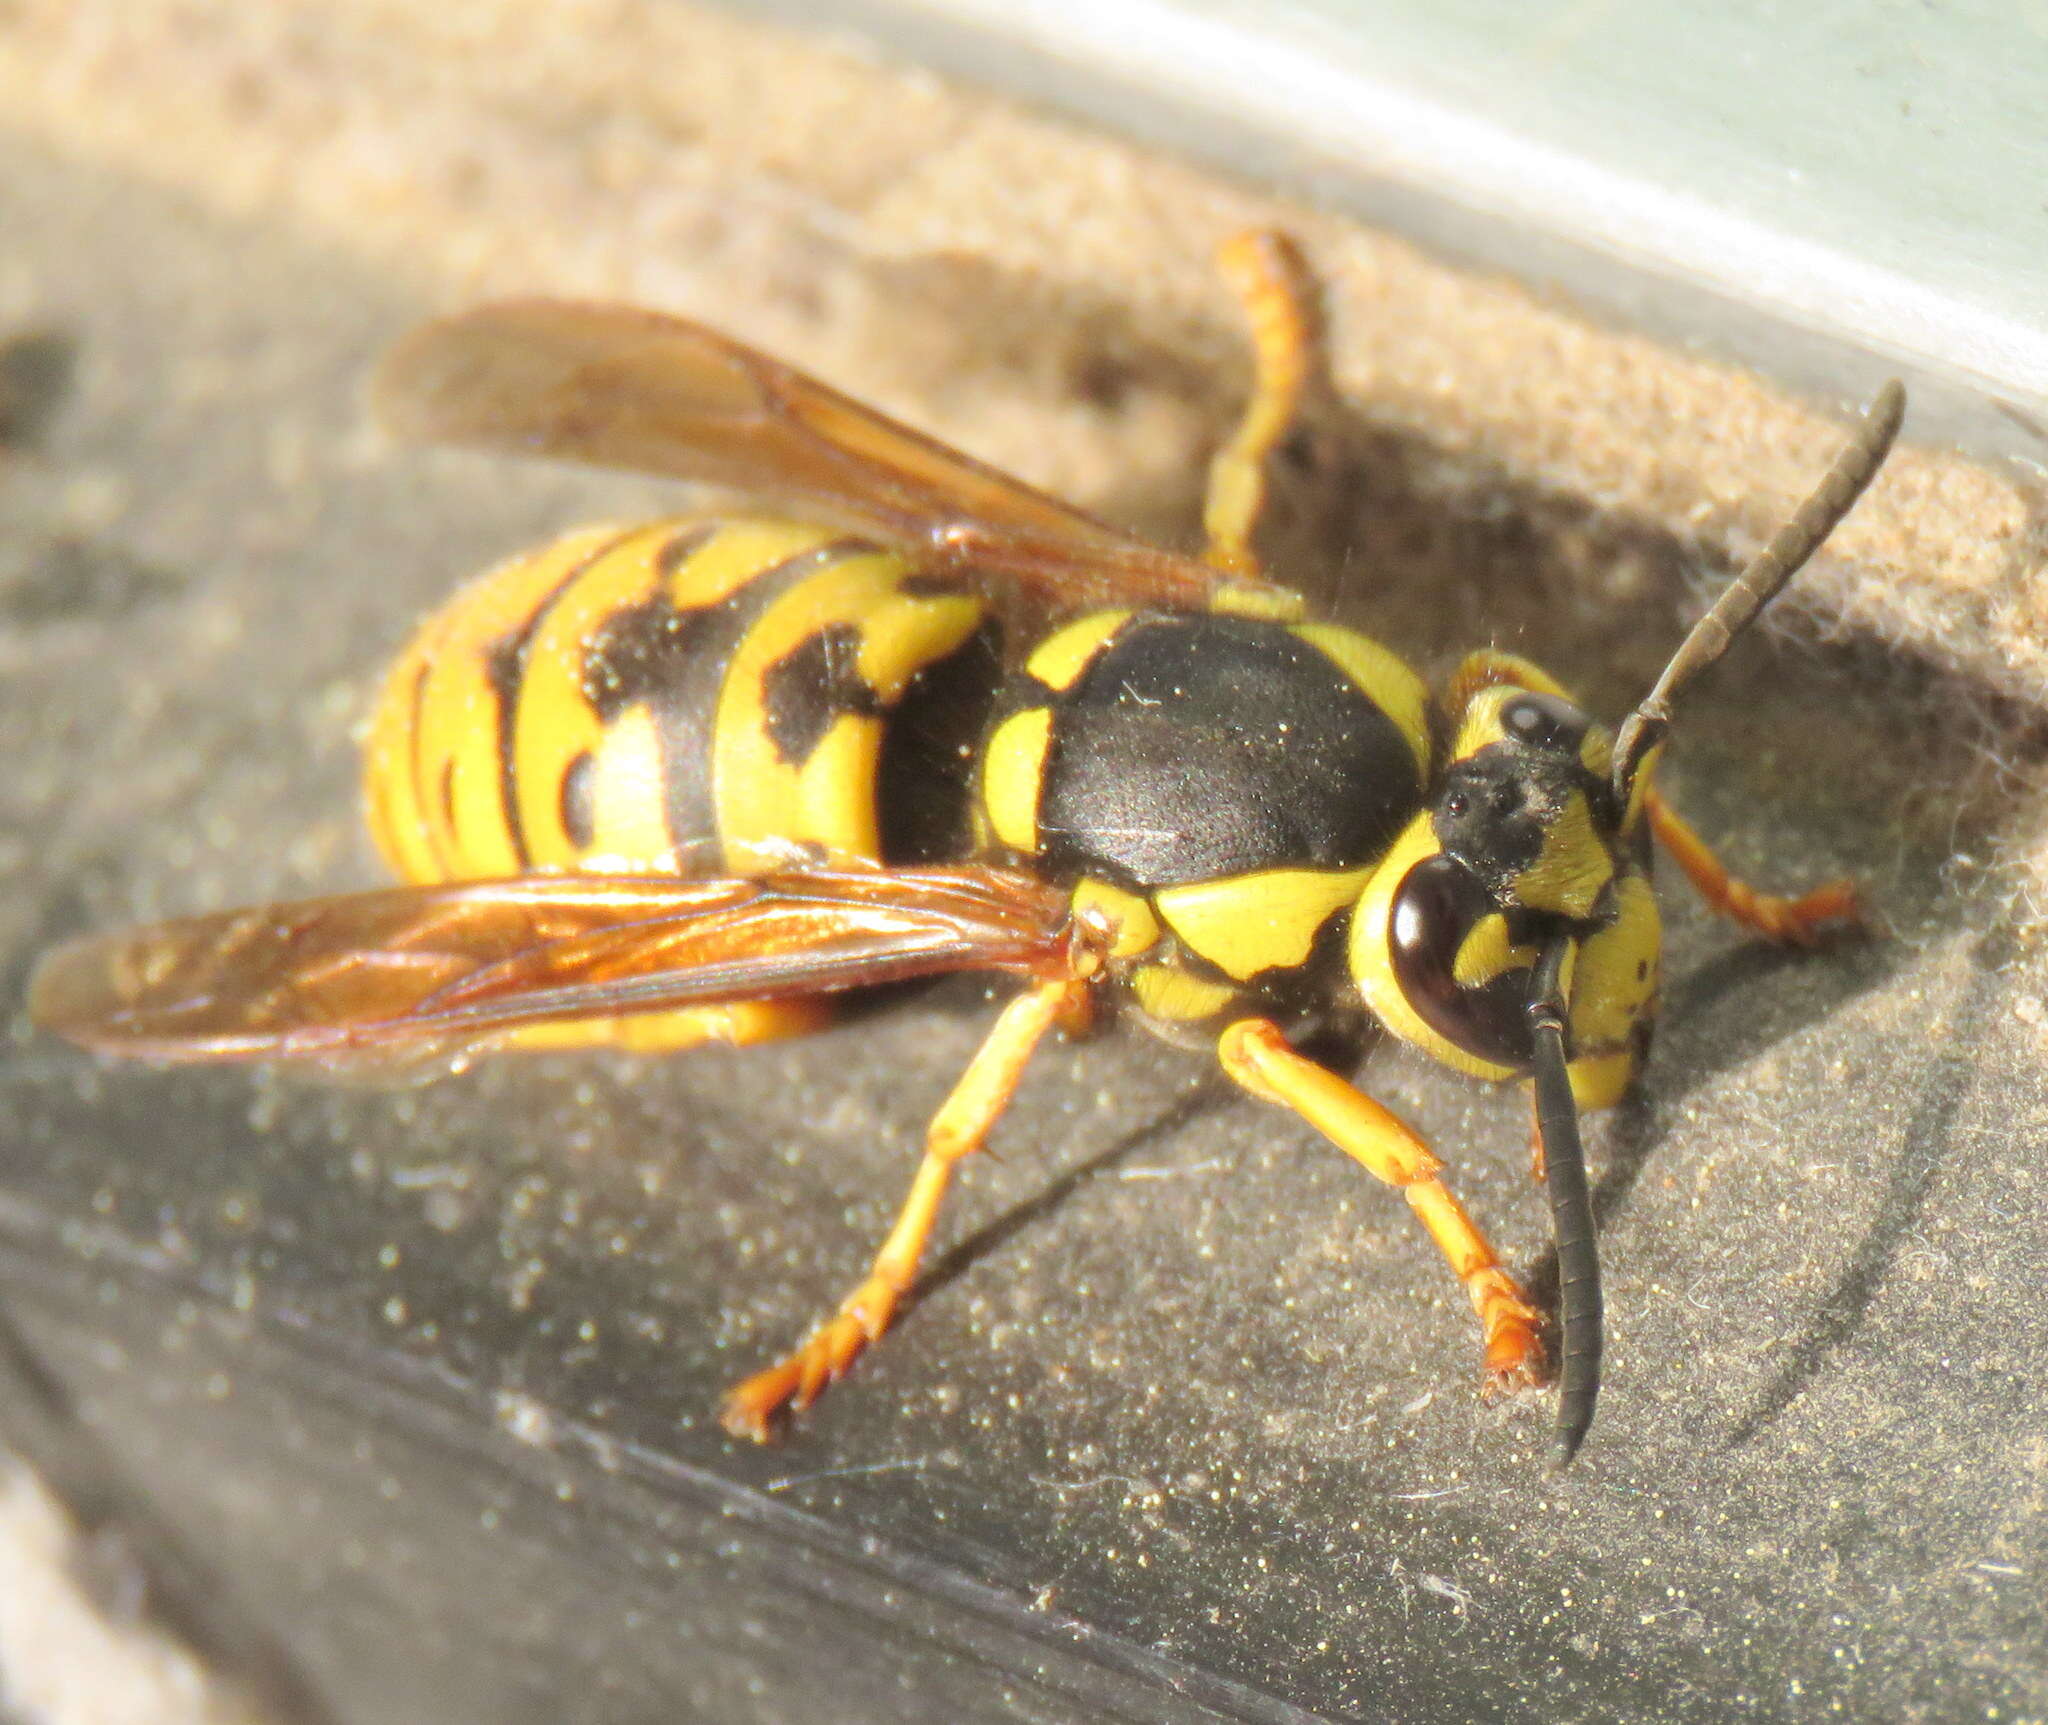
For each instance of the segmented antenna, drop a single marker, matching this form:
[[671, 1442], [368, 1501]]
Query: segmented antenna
[[1579, 1308], [1757, 585]]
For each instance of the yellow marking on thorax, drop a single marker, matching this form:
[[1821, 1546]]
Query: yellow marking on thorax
[[1013, 774], [1268, 920], [1135, 927], [1169, 993], [1062, 656], [1263, 603], [1395, 689]]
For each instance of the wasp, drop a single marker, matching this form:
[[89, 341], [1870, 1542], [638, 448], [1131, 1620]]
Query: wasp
[[684, 782]]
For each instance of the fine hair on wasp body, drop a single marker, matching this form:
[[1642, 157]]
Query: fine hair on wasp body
[[654, 786]]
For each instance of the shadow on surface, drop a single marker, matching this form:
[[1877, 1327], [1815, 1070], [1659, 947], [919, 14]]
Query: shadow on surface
[[1211, 1094], [1839, 1314]]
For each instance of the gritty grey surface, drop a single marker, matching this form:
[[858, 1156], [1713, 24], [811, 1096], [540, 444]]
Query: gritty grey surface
[[1185, 1426]]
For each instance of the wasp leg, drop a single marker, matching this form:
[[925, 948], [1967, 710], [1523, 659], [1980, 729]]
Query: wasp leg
[[1804, 921], [957, 1130], [1257, 1056], [1290, 367]]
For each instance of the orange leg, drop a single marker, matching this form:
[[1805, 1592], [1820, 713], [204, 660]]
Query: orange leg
[[1290, 367], [957, 1130], [1803, 921], [1258, 1057]]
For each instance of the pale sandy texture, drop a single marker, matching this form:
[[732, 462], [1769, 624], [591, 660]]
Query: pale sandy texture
[[65, 1657], [1033, 289]]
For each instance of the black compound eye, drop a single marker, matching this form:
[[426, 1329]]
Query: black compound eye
[[1543, 722], [1435, 908]]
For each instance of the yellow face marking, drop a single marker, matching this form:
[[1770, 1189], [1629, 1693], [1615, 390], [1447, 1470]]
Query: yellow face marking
[[1639, 787], [1572, 868], [1487, 952], [1615, 985], [1169, 993], [1596, 752], [1601, 1080], [1135, 926], [1063, 655], [1480, 723], [1395, 690], [1250, 923], [1012, 774], [1490, 667]]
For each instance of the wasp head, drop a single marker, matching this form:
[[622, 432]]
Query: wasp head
[[1526, 805]]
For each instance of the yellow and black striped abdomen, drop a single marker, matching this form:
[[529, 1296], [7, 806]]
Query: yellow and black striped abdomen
[[702, 695]]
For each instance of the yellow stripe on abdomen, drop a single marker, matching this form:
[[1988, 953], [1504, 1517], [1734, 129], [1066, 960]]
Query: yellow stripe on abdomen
[[799, 733], [435, 778]]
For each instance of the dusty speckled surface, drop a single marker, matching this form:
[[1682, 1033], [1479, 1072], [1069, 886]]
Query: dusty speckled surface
[[1185, 1427]]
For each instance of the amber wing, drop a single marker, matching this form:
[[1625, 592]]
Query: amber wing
[[444, 968], [616, 386]]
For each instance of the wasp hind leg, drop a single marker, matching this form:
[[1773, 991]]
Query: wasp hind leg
[[957, 1131], [1290, 372], [1830, 909], [1256, 1054]]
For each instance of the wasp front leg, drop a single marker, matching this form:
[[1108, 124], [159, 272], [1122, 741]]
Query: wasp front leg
[[1256, 1054], [957, 1131], [1834, 907]]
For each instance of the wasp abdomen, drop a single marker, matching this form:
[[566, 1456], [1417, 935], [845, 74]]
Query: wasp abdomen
[[695, 696], [706, 696]]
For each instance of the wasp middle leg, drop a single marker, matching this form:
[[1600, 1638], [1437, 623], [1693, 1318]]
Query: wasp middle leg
[[1835, 907], [957, 1130]]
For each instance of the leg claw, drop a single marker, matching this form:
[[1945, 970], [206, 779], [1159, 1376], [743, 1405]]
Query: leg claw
[[750, 1409]]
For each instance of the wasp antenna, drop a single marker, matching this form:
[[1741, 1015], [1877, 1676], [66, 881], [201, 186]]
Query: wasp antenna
[[1579, 1308], [1758, 584]]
